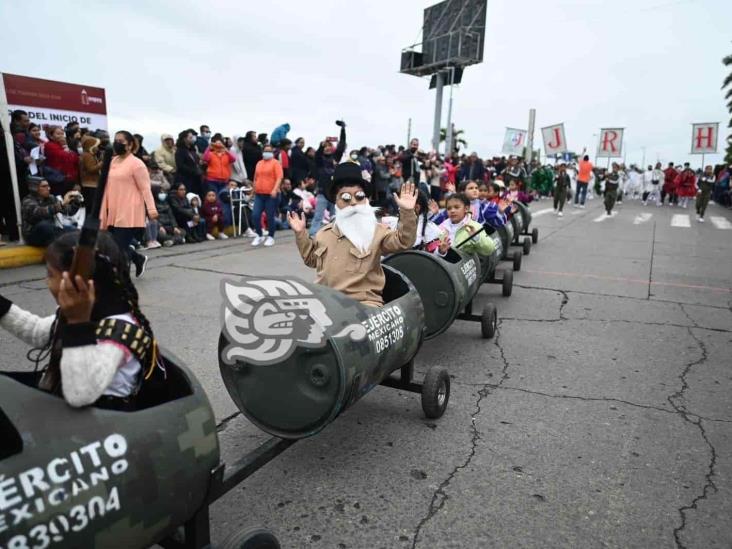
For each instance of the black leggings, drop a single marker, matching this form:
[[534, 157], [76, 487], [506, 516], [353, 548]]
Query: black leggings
[[124, 236]]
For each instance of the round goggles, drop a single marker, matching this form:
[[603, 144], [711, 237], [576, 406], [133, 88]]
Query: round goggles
[[358, 196]]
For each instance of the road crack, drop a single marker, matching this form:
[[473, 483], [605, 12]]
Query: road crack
[[677, 400], [440, 497]]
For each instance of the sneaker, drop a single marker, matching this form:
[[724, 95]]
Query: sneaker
[[701, 220], [152, 244], [250, 233], [269, 241], [582, 206], [140, 266], [222, 236], [168, 243], [209, 236], [560, 214], [257, 240], [608, 214]]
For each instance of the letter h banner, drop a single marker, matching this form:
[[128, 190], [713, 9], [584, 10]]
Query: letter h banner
[[704, 138]]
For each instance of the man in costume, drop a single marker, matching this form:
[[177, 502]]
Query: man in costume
[[346, 254]]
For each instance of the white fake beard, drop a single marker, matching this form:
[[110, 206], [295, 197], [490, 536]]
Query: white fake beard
[[358, 224]]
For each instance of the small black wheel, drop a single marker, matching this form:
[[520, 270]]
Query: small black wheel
[[527, 246], [251, 538], [517, 258], [507, 282], [435, 392], [535, 236], [488, 321]]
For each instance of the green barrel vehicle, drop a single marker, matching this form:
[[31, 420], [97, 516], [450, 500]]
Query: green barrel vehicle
[[92, 477], [447, 286], [526, 215], [293, 355]]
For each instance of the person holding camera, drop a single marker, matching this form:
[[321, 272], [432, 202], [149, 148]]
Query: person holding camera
[[39, 209], [326, 159]]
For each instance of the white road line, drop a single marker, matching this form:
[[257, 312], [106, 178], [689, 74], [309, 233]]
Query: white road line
[[642, 218], [720, 222], [541, 212], [600, 218], [680, 220]]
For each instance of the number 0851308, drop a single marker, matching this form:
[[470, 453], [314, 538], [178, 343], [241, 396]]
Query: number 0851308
[[79, 517]]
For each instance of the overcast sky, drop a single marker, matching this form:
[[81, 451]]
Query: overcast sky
[[651, 66]]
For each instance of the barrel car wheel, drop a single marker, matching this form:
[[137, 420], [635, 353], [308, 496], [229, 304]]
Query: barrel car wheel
[[435, 392], [527, 245], [535, 236], [507, 282], [251, 538], [489, 321], [517, 258]]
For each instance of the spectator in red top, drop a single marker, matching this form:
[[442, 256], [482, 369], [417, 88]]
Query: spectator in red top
[[219, 161], [61, 168]]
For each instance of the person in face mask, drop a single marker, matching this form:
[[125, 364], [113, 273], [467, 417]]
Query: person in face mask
[[203, 139], [127, 197], [267, 180], [218, 160], [347, 253]]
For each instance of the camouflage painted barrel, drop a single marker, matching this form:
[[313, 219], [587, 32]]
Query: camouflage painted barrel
[[100, 478], [517, 222], [293, 355], [445, 285], [506, 233], [525, 214]]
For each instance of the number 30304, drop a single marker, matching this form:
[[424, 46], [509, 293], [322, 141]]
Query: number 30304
[[79, 517]]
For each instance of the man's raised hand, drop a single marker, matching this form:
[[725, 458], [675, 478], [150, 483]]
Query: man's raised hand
[[407, 196], [296, 221]]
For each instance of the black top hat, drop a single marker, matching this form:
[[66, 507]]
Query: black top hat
[[348, 173]]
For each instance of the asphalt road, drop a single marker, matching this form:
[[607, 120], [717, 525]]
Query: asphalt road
[[598, 417]]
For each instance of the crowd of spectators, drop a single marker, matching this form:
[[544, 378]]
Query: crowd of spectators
[[208, 186]]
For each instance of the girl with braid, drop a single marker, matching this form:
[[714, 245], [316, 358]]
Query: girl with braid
[[100, 346]]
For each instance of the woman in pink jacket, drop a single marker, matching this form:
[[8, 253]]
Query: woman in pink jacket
[[127, 198]]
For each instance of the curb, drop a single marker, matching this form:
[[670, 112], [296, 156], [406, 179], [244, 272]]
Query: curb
[[20, 256]]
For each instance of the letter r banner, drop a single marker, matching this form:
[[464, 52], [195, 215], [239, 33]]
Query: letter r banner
[[610, 144]]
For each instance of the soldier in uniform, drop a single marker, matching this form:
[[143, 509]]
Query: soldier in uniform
[[562, 183], [706, 185], [612, 182], [346, 254]]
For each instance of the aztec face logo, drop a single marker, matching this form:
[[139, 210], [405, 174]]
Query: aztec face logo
[[265, 320]]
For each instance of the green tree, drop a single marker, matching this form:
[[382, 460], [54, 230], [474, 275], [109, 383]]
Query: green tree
[[728, 84], [457, 138]]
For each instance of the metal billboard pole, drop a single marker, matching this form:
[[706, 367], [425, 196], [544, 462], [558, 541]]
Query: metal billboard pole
[[439, 80]]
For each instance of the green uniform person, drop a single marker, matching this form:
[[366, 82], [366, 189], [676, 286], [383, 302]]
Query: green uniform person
[[562, 183], [612, 182], [706, 185]]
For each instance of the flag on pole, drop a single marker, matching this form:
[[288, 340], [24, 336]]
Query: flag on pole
[[514, 141], [555, 141], [611, 143], [704, 137]]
